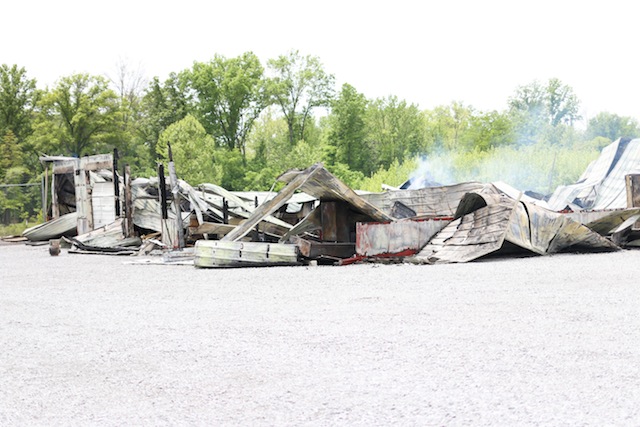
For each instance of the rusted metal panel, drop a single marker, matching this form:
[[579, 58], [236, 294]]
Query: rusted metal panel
[[395, 237]]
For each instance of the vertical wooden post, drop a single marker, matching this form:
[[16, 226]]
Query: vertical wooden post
[[163, 191], [45, 193], [255, 204], [173, 177], [55, 209], [116, 182], [128, 202], [225, 211], [83, 197], [166, 237]]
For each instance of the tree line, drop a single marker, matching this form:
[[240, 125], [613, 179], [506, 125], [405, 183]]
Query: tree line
[[240, 123]]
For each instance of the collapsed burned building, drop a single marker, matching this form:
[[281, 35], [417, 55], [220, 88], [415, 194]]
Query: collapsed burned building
[[318, 218]]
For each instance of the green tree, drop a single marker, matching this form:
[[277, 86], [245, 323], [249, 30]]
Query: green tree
[[612, 126], [268, 145], [299, 85], [487, 130], [447, 126], [562, 103], [193, 151], [10, 153], [395, 130], [535, 107], [347, 134], [162, 105], [128, 84], [18, 96], [78, 117], [230, 94], [17, 203]]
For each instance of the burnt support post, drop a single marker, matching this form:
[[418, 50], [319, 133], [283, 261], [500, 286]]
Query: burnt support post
[[162, 191], [116, 182], [45, 191], [166, 235], [128, 202], [255, 204]]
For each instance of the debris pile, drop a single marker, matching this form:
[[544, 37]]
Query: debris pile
[[316, 218]]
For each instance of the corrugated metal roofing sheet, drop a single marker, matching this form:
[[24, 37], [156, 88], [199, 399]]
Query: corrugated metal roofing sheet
[[602, 186]]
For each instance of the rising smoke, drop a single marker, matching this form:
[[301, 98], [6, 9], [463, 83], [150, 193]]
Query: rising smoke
[[540, 167]]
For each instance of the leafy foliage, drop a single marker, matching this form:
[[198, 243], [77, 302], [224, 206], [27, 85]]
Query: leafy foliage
[[299, 85], [612, 127], [347, 133], [229, 96], [396, 131], [78, 117], [162, 105], [18, 96], [193, 150]]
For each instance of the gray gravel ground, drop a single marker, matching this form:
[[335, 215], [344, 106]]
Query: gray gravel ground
[[91, 340]]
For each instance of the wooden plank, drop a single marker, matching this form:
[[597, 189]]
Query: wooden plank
[[218, 253], [128, 203], [212, 228]]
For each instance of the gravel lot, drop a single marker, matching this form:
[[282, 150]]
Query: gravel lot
[[92, 340]]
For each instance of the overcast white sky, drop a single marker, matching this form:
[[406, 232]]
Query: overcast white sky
[[429, 52]]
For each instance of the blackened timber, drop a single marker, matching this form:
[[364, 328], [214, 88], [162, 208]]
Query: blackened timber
[[128, 202], [116, 182], [318, 250], [163, 191]]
